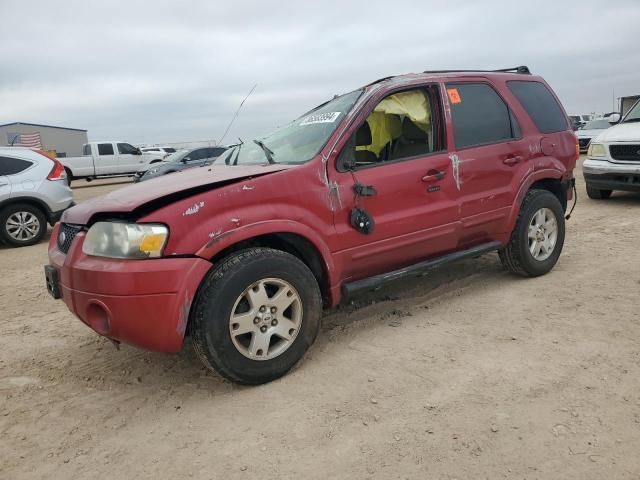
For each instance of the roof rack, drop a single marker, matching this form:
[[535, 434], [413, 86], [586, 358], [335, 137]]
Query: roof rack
[[523, 69]]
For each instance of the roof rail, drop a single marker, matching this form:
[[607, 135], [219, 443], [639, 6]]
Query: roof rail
[[523, 69]]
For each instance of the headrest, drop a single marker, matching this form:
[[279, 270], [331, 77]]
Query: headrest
[[411, 131], [363, 135]]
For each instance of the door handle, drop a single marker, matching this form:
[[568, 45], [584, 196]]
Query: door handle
[[433, 176], [513, 160]]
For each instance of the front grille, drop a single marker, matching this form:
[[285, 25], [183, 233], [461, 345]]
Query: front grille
[[584, 142], [66, 234], [630, 153]]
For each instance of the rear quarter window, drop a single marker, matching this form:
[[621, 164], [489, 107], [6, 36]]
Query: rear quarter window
[[540, 104], [13, 166]]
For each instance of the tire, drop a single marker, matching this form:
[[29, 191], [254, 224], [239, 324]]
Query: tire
[[517, 256], [30, 217], [597, 194], [226, 291], [69, 176]]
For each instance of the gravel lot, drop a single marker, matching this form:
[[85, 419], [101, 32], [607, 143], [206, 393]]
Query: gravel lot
[[466, 373]]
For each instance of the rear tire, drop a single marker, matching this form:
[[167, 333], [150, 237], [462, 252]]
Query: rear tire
[[69, 176], [597, 194], [22, 225], [537, 239], [255, 315]]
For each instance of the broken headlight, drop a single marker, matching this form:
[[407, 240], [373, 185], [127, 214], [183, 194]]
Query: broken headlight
[[125, 240]]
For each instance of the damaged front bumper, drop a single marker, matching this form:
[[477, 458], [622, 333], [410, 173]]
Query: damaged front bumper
[[145, 303]]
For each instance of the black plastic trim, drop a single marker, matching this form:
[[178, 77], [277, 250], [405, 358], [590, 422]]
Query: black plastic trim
[[348, 289]]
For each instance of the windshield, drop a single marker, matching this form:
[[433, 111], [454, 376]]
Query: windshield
[[634, 113], [297, 142], [597, 125]]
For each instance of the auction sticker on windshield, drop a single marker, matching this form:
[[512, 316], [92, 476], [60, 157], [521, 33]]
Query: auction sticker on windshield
[[328, 117]]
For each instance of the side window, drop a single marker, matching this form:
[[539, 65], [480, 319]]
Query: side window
[[197, 154], [126, 149], [86, 150], [403, 125], [105, 149], [540, 104], [479, 115], [12, 166]]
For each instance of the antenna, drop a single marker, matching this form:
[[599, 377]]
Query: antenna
[[236, 114]]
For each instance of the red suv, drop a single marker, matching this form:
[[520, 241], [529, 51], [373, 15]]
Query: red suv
[[403, 175]]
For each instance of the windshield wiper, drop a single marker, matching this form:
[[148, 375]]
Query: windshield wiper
[[267, 151], [637, 119], [237, 148]]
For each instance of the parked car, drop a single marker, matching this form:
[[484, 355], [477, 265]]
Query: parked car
[[591, 129], [33, 192], [371, 186], [613, 161], [181, 161], [162, 152], [108, 159], [576, 121]]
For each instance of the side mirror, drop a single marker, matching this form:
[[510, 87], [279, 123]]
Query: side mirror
[[347, 159], [614, 118], [138, 152], [185, 159]]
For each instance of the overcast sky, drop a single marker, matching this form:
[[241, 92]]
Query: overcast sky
[[168, 71]]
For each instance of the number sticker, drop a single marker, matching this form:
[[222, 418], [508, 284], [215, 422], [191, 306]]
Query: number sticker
[[328, 117], [454, 95]]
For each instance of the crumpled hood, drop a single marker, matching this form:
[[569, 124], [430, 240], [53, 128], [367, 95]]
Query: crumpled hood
[[623, 132], [135, 196]]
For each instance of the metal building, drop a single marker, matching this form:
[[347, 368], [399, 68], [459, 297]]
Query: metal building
[[66, 142]]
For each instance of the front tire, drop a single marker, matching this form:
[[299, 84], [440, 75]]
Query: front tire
[[537, 239], [22, 225], [597, 194], [255, 315]]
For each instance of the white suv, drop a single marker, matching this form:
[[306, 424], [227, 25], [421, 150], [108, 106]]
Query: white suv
[[33, 192], [613, 161]]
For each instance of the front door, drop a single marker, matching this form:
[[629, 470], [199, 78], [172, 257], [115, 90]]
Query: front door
[[406, 184], [129, 159]]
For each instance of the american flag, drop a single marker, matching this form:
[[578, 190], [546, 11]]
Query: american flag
[[31, 140]]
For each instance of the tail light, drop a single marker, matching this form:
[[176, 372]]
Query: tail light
[[57, 172]]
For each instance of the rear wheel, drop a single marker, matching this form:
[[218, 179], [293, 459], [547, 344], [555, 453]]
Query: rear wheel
[[538, 237], [255, 315], [69, 176], [22, 225], [597, 194]]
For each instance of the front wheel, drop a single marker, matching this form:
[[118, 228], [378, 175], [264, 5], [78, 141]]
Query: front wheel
[[538, 237], [255, 315]]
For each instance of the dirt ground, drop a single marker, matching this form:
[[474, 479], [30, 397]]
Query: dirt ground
[[466, 373]]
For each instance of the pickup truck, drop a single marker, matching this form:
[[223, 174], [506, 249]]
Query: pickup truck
[[108, 159]]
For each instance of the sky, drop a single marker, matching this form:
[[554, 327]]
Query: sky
[[168, 71]]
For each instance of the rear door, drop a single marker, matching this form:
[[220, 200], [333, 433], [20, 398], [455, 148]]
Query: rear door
[[411, 198], [106, 160], [129, 159], [489, 152]]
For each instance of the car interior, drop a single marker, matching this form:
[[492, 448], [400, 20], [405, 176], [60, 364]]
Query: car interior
[[402, 125]]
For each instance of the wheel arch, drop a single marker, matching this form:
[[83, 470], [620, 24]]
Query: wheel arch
[[548, 179], [34, 202], [297, 245]]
